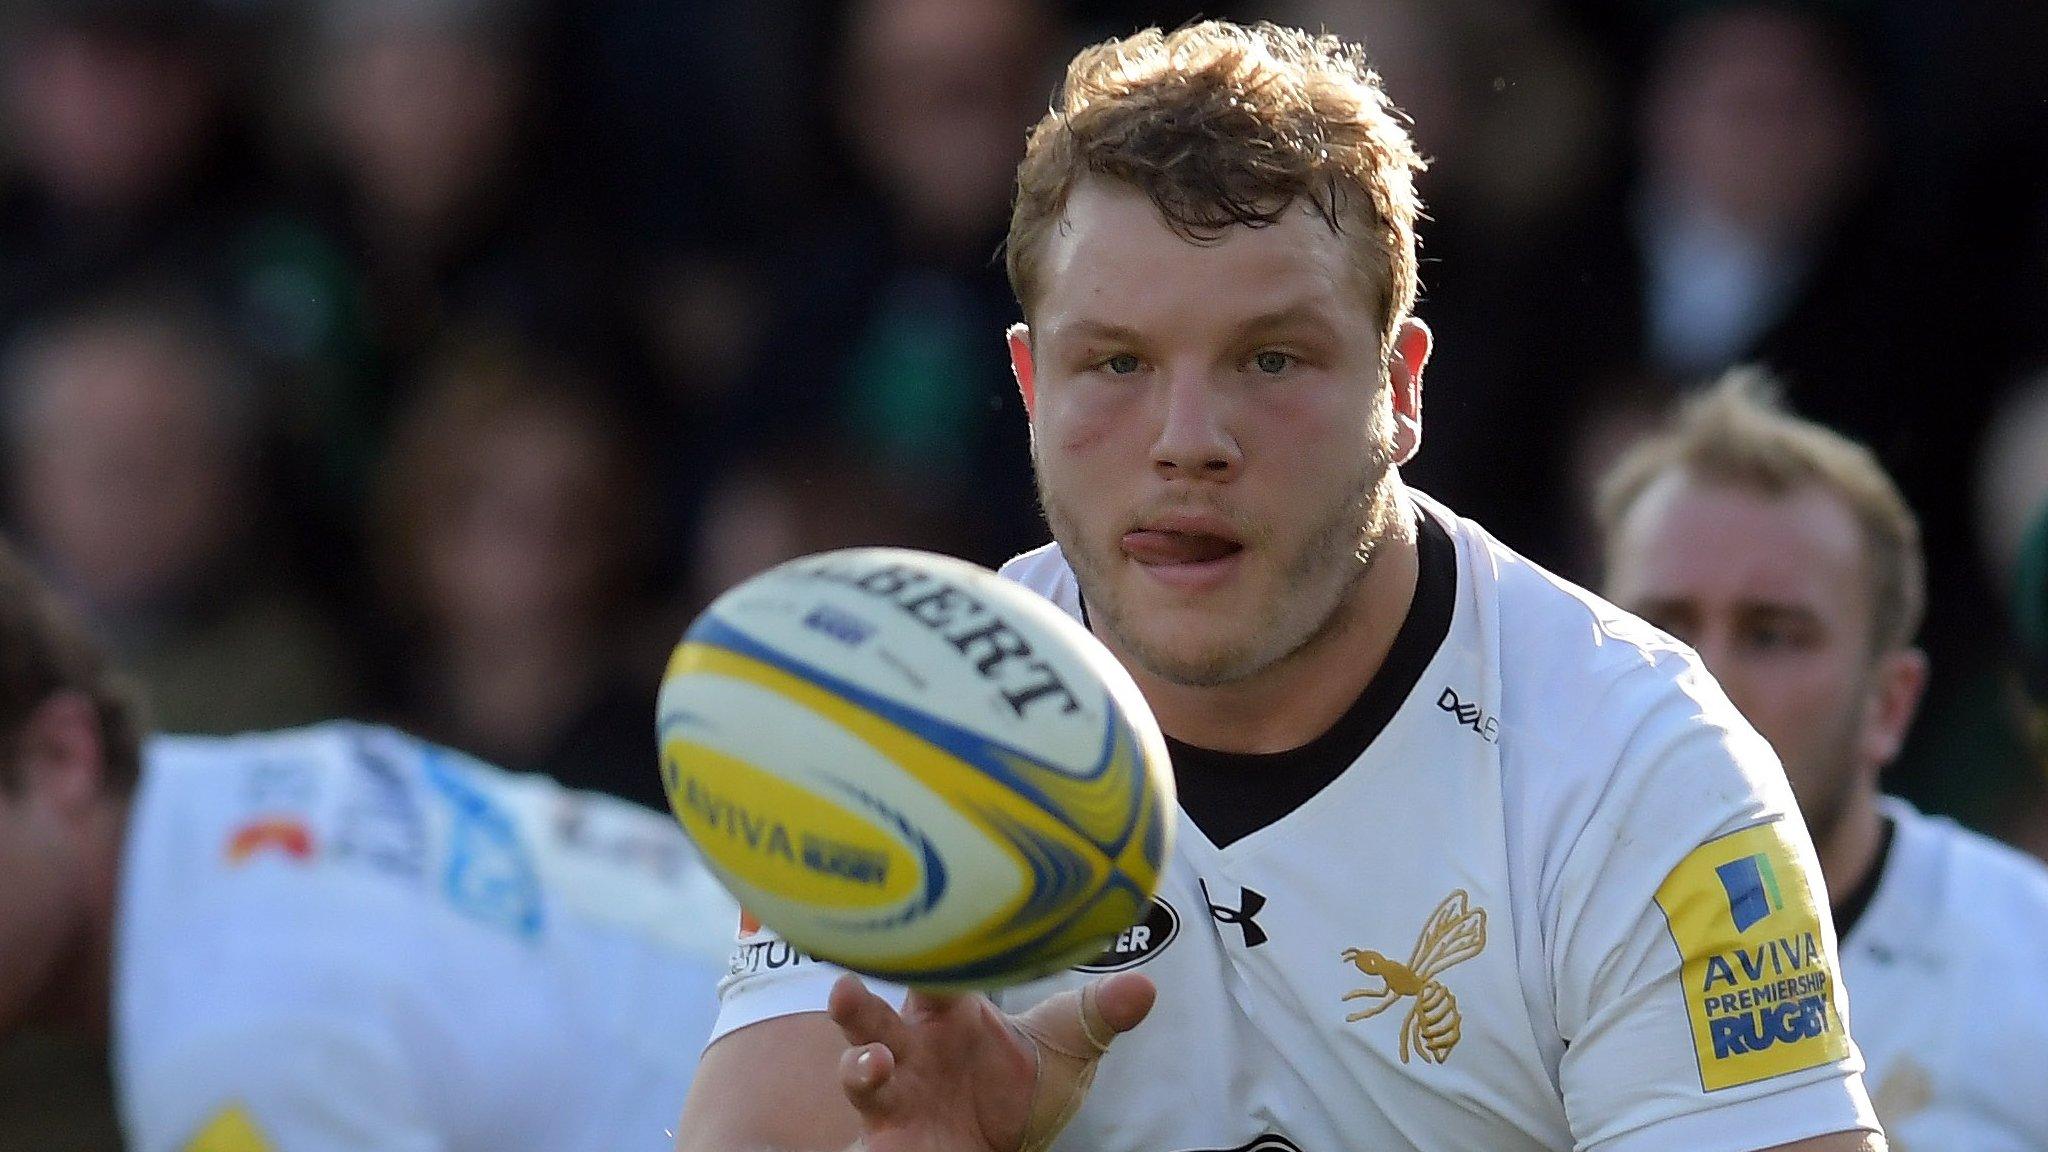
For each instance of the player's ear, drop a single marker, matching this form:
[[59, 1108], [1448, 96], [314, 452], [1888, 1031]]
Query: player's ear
[[62, 757], [1410, 354], [1019, 337], [1895, 692]]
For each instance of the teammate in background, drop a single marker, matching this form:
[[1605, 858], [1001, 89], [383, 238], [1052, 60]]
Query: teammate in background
[[1783, 553], [2030, 609], [1467, 857], [336, 938]]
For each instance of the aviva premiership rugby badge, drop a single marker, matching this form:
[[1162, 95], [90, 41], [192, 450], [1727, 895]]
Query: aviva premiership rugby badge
[[1760, 985]]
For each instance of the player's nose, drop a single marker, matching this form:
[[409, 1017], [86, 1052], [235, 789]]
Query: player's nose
[[1194, 441]]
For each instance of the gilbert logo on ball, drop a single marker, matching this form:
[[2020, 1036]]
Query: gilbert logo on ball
[[913, 768]]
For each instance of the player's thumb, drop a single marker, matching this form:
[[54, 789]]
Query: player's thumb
[[1082, 1023], [1124, 1000], [1072, 1030]]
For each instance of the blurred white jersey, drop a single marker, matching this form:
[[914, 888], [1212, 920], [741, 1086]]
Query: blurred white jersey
[[342, 938], [1553, 895], [1949, 967]]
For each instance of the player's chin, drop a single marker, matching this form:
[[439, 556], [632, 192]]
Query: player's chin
[[1214, 666], [1195, 647]]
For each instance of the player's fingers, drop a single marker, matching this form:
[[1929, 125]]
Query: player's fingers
[[921, 1007], [865, 1018], [865, 1074]]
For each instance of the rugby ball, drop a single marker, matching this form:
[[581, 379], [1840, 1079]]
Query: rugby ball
[[915, 769]]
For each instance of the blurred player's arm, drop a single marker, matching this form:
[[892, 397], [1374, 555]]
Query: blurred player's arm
[[771, 1087], [945, 1071]]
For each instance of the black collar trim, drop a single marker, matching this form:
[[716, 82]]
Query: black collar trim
[[1851, 907]]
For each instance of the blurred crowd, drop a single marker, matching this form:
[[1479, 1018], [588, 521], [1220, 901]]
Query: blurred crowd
[[432, 361]]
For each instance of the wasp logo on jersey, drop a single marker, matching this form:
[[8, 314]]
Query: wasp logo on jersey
[[1455, 933], [1266, 1143], [1760, 985]]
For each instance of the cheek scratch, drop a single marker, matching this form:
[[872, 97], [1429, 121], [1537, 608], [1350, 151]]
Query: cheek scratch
[[1078, 441], [1081, 431]]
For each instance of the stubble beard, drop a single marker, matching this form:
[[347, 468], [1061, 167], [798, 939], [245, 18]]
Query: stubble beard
[[1317, 583], [1827, 786]]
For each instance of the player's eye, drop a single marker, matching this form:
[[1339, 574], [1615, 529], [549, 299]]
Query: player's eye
[[1769, 636], [1272, 363], [1121, 364]]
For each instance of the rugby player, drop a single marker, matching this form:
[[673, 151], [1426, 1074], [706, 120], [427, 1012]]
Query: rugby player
[[1467, 858], [336, 938], [1787, 558], [2030, 610]]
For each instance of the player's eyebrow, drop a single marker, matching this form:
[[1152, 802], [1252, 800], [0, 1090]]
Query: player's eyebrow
[[1087, 329], [1299, 315], [1777, 612], [1658, 608]]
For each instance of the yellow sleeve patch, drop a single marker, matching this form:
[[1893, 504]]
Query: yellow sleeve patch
[[1759, 978], [230, 1130]]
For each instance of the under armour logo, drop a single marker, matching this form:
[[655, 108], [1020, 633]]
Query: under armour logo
[[1244, 915]]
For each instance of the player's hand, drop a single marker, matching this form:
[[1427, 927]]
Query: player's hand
[[954, 1074]]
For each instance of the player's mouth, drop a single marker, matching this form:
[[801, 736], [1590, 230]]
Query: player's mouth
[[1186, 551]]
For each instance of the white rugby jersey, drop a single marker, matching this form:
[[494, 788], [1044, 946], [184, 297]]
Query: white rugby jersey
[[1949, 966], [341, 938], [1548, 891]]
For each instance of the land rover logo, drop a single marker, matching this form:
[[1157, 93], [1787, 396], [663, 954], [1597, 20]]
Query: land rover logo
[[1138, 943]]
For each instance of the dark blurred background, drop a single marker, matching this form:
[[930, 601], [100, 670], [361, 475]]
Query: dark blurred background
[[432, 361]]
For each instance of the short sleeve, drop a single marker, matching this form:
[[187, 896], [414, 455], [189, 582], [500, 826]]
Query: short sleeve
[[308, 1084], [767, 977], [1696, 972]]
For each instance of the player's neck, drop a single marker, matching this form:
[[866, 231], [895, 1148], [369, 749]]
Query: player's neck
[[1299, 698], [1849, 848], [79, 997]]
